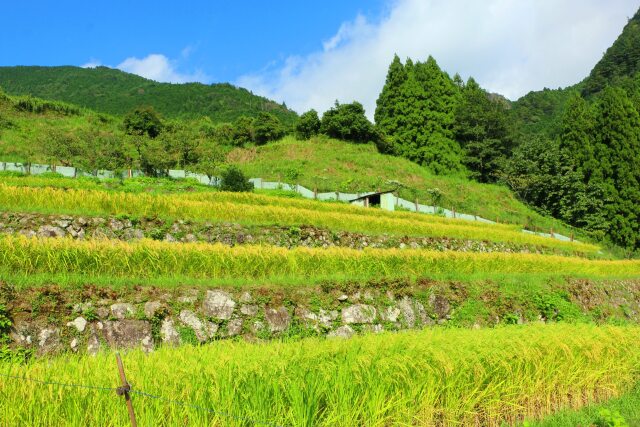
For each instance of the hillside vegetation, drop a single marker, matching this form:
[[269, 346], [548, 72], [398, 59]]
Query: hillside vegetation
[[115, 92], [72, 252], [332, 165]]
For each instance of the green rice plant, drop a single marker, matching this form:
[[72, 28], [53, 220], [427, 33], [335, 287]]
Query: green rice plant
[[441, 377], [53, 200], [150, 258]]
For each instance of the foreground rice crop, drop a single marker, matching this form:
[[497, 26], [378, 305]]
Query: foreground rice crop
[[86, 202], [431, 377], [150, 258]]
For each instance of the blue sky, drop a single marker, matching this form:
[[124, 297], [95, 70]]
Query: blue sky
[[310, 53], [221, 39]]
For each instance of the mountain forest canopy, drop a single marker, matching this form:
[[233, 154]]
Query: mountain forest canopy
[[115, 92]]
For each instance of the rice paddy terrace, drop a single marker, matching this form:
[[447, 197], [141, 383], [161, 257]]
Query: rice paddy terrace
[[254, 309]]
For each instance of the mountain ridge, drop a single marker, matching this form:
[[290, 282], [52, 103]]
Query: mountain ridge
[[116, 92]]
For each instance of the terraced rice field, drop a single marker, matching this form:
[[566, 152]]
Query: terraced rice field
[[436, 376]]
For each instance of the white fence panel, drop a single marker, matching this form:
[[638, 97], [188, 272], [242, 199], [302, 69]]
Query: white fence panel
[[305, 192], [327, 196], [66, 171]]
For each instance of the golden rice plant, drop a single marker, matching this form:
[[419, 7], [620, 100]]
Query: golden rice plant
[[103, 203], [434, 377], [150, 258]]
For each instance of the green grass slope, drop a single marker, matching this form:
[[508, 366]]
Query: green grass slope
[[332, 165], [116, 92], [27, 123]]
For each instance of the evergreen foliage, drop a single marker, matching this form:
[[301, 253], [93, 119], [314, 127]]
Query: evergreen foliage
[[348, 122], [590, 175], [308, 125], [143, 121], [115, 92], [242, 132], [416, 110], [483, 130], [622, 59], [267, 127]]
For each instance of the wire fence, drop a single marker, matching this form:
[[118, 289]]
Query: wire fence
[[413, 206], [128, 389]]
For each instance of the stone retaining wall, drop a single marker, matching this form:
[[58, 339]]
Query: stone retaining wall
[[80, 227], [51, 319]]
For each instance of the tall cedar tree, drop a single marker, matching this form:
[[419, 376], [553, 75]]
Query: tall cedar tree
[[416, 111], [617, 149], [576, 137]]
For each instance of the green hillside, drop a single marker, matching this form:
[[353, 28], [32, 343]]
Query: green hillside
[[620, 61], [37, 131], [540, 112], [332, 165], [115, 92]]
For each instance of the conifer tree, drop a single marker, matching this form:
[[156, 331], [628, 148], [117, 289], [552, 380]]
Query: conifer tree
[[416, 111], [576, 138], [617, 150], [389, 103]]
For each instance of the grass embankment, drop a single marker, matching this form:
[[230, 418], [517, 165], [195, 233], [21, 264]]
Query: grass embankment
[[151, 259], [241, 209], [430, 377], [332, 165]]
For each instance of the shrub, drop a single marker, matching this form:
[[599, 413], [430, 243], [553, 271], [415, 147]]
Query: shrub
[[234, 180]]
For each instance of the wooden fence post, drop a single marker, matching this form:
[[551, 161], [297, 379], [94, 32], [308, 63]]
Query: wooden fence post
[[124, 391]]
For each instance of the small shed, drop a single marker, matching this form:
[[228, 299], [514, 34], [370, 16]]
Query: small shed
[[384, 199]]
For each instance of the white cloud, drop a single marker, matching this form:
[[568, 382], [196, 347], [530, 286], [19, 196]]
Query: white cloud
[[93, 63], [159, 68], [508, 46]]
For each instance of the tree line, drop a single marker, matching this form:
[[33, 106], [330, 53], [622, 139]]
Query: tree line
[[587, 173]]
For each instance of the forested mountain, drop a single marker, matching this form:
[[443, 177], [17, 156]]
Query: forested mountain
[[578, 156], [540, 112], [573, 153], [115, 92], [620, 61]]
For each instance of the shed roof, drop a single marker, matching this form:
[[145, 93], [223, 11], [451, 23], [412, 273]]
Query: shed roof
[[369, 195]]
